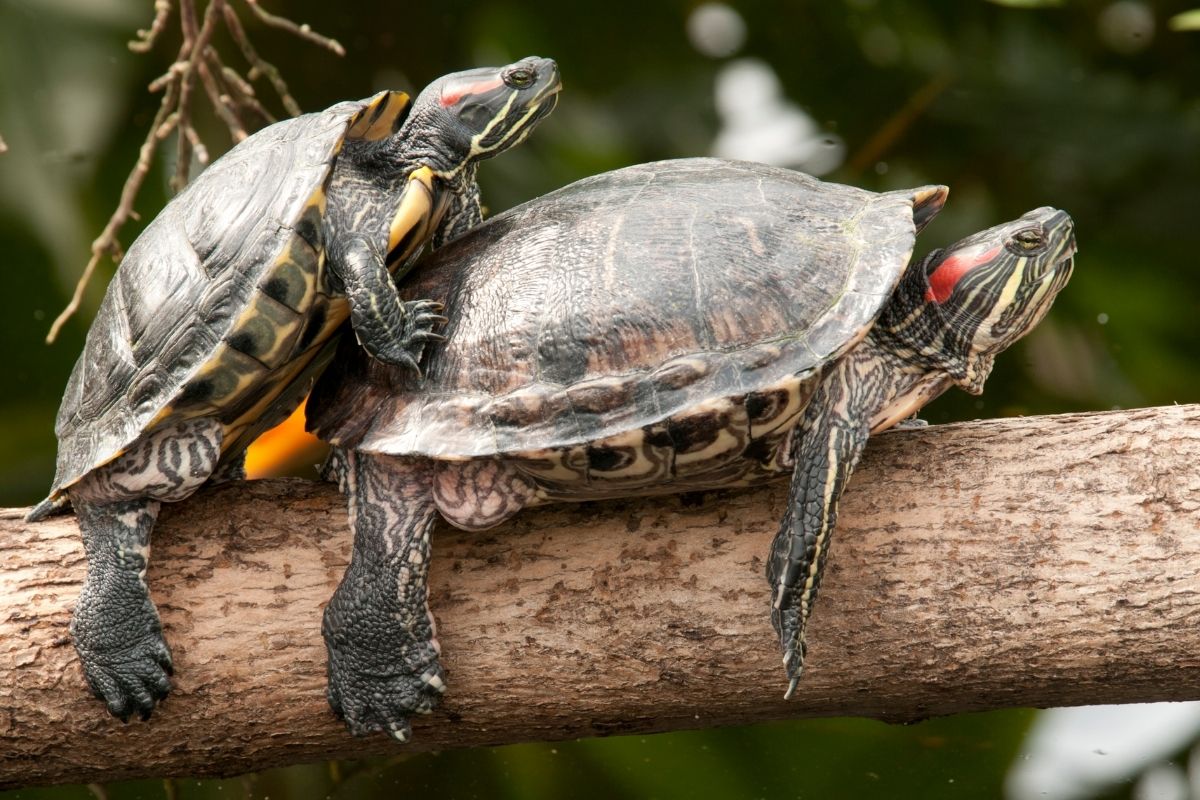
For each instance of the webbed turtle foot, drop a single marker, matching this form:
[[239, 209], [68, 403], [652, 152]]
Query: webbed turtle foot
[[420, 319], [125, 659], [911, 424], [368, 702]]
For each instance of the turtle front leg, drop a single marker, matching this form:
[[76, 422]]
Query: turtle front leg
[[390, 329], [380, 634], [828, 443], [115, 627]]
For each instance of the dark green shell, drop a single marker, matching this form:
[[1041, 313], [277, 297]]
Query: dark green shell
[[222, 301], [628, 310]]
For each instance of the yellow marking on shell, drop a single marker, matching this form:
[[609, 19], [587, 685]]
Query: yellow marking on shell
[[796, 402], [280, 380], [554, 465], [297, 278], [376, 120], [730, 441], [269, 328], [416, 210], [641, 468], [336, 312], [231, 374]]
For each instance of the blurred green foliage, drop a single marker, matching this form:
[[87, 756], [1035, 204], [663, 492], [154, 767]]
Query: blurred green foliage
[[1089, 106]]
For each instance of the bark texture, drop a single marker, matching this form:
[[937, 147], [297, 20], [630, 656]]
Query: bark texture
[[1023, 562]]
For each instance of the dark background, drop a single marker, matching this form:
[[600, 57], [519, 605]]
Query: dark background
[[1093, 107]]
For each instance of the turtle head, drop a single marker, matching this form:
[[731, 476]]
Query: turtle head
[[464, 117], [990, 289]]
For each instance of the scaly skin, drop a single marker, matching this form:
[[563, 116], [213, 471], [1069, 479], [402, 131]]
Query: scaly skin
[[115, 627], [388, 328], [379, 632], [826, 448]]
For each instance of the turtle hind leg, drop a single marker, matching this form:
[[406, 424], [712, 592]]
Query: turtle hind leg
[[115, 627], [480, 493], [378, 630]]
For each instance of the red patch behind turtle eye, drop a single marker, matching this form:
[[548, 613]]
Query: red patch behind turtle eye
[[453, 94], [950, 272]]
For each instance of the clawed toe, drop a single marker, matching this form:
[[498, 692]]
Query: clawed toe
[[133, 683], [370, 704]]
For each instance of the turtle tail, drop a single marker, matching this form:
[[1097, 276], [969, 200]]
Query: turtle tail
[[49, 507]]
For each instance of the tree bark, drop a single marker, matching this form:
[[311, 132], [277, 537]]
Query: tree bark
[[1020, 562]]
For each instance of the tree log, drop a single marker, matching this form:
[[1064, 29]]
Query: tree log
[[1019, 562]]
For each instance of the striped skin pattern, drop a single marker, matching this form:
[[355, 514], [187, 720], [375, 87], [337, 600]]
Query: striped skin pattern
[[115, 625], [378, 622], [687, 325], [227, 307], [922, 344]]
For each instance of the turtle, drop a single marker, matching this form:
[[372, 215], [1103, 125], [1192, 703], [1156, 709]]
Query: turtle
[[227, 305], [669, 327]]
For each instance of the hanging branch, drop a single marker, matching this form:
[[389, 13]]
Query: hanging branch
[[231, 95]]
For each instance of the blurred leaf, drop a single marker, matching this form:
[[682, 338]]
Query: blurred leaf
[[1187, 21], [1027, 3]]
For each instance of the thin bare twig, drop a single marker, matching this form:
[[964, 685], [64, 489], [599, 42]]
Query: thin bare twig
[[106, 243], [197, 145], [303, 31], [3, 146], [221, 103], [146, 38], [240, 90], [231, 96], [259, 65], [199, 45], [898, 124]]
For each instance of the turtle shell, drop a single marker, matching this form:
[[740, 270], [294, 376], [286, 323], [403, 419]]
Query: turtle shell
[[688, 305], [222, 301]]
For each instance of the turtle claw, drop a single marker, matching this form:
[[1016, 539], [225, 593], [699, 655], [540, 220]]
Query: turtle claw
[[133, 680], [791, 639], [429, 320], [120, 644], [421, 317], [370, 703]]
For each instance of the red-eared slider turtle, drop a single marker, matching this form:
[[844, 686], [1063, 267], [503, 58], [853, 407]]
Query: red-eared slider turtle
[[224, 309], [668, 327]]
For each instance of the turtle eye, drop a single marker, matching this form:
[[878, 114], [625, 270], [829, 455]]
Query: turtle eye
[[1028, 239], [519, 77]]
